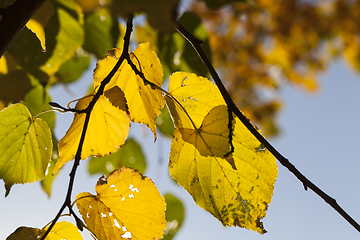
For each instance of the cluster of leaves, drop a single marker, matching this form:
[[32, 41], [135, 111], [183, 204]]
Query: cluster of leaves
[[214, 157], [227, 171]]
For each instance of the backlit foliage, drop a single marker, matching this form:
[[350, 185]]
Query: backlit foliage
[[255, 46]]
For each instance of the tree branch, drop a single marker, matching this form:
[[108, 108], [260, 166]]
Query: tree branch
[[14, 19], [196, 44], [87, 111]]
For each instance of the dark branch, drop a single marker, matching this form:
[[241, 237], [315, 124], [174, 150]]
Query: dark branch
[[14, 19], [196, 44], [87, 111]]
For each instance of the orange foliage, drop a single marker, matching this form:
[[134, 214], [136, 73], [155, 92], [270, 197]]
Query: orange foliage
[[259, 45]]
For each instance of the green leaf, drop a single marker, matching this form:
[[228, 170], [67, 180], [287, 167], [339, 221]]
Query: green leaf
[[46, 183], [174, 215], [164, 123], [177, 54], [13, 86], [64, 35], [37, 100], [24, 233], [73, 68], [188, 55], [129, 155], [25, 146], [101, 33]]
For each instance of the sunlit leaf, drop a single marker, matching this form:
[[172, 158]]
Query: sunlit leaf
[[144, 102], [196, 95], [25, 146], [7, 63], [174, 215], [129, 155], [127, 205], [216, 158], [101, 33], [46, 183], [106, 132], [63, 230], [39, 20], [60, 231]]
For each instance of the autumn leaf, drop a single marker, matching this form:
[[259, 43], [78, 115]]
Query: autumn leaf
[[216, 158], [144, 102], [61, 230], [37, 23], [25, 233], [25, 146], [107, 129], [127, 206], [196, 95]]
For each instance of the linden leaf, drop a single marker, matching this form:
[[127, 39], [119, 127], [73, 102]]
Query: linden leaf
[[37, 23], [24, 233], [106, 132], [25, 146], [129, 155], [61, 230], [216, 158], [196, 95], [144, 102], [127, 206], [175, 214]]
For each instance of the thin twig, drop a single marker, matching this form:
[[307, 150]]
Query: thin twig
[[87, 111], [196, 44]]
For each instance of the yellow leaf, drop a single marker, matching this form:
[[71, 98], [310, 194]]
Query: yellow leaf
[[61, 230], [127, 206], [37, 23], [106, 132], [217, 159], [196, 95], [144, 103]]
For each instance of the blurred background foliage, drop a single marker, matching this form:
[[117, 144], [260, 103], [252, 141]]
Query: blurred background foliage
[[256, 46]]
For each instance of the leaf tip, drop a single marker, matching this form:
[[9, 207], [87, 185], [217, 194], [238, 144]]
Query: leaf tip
[[8, 188]]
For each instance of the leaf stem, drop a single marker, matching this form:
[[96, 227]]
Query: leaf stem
[[87, 111], [196, 44]]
